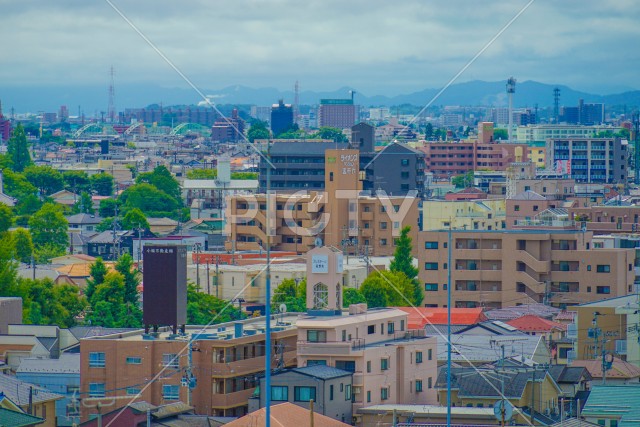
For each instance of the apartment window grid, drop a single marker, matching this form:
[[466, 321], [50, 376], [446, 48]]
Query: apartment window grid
[[304, 393], [170, 360], [96, 360], [96, 390], [418, 357], [170, 392]]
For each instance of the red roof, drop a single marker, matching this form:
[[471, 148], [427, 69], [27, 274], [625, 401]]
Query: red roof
[[421, 316], [531, 323]]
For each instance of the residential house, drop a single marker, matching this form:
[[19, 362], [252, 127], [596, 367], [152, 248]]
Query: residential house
[[419, 415], [329, 388], [620, 371], [83, 223], [34, 400], [65, 197], [61, 376], [475, 350], [613, 406], [17, 418], [286, 415]]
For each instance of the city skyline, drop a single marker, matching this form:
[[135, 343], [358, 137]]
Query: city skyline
[[379, 48]]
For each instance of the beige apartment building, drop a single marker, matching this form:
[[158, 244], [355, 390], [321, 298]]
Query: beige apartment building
[[226, 362], [342, 216], [504, 268]]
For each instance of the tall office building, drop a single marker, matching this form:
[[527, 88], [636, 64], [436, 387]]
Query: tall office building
[[337, 113], [281, 117]]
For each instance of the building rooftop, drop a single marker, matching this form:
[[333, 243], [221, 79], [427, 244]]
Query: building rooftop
[[18, 391], [18, 419], [509, 313], [531, 323], [220, 332], [426, 410], [322, 371], [419, 317], [68, 363], [614, 401], [338, 320], [620, 369], [286, 415]]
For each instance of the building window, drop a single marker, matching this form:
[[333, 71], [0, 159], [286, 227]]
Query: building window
[[170, 392], [588, 267], [347, 392], [516, 208], [133, 391], [331, 392], [368, 396], [430, 382], [346, 365], [383, 242], [431, 245], [96, 360], [96, 389], [429, 354], [384, 393], [535, 208], [603, 268], [133, 360], [430, 265], [431, 287], [384, 364], [304, 394], [418, 357], [316, 335], [371, 329], [280, 393], [603, 290], [315, 362], [170, 360], [383, 225], [418, 386], [404, 162], [404, 175], [368, 366], [391, 328]]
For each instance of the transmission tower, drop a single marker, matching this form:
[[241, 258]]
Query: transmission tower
[[556, 104], [511, 89], [111, 110]]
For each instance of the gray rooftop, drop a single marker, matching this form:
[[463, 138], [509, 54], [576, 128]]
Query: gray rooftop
[[322, 371], [68, 363], [18, 391]]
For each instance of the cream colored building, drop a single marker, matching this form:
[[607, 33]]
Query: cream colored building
[[487, 214]]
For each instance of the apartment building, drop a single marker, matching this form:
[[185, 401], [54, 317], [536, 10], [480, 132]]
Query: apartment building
[[542, 133], [337, 113], [487, 214], [607, 219], [502, 268], [216, 374], [342, 215], [597, 160]]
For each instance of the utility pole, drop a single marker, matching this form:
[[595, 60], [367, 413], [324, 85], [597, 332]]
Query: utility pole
[[267, 306], [208, 279], [503, 407], [533, 397], [197, 248], [217, 278], [449, 267]]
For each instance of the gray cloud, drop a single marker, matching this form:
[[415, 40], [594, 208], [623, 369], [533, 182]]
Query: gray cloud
[[377, 46]]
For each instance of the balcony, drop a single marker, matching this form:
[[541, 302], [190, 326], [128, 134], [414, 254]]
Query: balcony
[[366, 216], [245, 366], [330, 348], [231, 400]]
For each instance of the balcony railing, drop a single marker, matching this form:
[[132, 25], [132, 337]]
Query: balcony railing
[[230, 400]]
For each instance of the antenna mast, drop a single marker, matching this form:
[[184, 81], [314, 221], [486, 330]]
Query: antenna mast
[[556, 104], [511, 89], [296, 103], [111, 110]]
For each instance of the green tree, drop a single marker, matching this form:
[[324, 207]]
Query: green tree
[[131, 276], [463, 181], [44, 178], [202, 173], [134, 219], [76, 181], [258, 130], [23, 245], [293, 295], [105, 224], [44, 253], [18, 149], [428, 131], [98, 271], [102, 184], [109, 308], [330, 133], [500, 134], [6, 218], [162, 179], [50, 304], [8, 266], [244, 175], [149, 200], [203, 308], [84, 205], [352, 296], [403, 262], [107, 208], [48, 226], [388, 289]]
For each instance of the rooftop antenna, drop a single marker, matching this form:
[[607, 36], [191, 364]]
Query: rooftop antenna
[[296, 102], [111, 109], [511, 89]]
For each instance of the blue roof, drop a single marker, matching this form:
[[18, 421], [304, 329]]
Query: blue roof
[[322, 371]]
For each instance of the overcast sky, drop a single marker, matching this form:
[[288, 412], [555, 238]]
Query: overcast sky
[[378, 47]]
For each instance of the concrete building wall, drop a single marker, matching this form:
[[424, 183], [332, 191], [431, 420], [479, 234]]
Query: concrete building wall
[[10, 313], [472, 215]]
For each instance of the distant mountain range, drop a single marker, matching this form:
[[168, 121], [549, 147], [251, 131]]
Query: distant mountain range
[[92, 99]]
